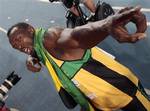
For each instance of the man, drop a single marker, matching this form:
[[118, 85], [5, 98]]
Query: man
[[82, 73], [71, 5]]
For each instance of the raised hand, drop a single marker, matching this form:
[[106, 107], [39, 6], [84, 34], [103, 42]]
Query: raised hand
[[123, 17]]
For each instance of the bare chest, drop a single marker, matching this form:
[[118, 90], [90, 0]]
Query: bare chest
[[67, 54]]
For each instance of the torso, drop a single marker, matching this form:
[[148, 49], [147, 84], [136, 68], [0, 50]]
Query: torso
[[57, 51]]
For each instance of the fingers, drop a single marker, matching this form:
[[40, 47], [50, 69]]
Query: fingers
[[122, 35], [140, 21], [125, 9], [33, 64], [134, 9], [137, 17], [125, 15], [138, 36], [33, 68]]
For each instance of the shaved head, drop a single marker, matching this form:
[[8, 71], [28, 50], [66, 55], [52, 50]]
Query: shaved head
[[19, 26], [21, 37]]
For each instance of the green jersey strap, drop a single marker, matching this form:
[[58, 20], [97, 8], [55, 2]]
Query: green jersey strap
[[72, 67]]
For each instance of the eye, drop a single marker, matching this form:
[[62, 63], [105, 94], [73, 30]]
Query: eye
[[16, 44]]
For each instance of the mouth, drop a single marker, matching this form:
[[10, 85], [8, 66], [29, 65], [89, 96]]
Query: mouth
[[27, 50]]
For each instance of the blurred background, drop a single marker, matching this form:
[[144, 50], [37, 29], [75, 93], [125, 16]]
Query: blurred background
[[35, 91]]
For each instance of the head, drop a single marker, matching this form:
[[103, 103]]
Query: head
[[21, 37]]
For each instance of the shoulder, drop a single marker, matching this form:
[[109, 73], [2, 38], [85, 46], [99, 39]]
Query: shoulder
[[51, 36], [55, 30], [53, 33], [59, 33]]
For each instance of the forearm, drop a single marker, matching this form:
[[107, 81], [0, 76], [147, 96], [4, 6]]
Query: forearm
[[90, 34], [85, 36], [95, 32]]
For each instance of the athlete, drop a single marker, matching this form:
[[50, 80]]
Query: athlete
[[82, 73]]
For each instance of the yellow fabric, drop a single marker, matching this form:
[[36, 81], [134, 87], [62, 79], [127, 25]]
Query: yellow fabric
[[53, 75], [143, 100], [98, 90], [58, 84], [113, 65], [59, 62], [102, 94]]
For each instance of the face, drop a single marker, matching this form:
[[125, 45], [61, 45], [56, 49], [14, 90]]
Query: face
[[23, 42]]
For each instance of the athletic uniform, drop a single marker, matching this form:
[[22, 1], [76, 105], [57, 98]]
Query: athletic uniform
[[107, 84]]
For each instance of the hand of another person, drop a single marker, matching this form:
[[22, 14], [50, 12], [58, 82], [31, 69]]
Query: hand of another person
[[33, 64]]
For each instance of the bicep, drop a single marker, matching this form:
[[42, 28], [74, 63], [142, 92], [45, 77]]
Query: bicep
[[86, 36], [89, 35], [66, 39], [75, 38]]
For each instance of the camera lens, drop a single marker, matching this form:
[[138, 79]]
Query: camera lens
[[9, 82]]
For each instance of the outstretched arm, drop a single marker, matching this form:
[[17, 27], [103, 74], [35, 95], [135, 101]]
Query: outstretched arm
[[91, 34], [120, 32]]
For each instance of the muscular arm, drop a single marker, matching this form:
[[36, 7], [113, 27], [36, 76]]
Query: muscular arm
[[85, 36], [91, 34]]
